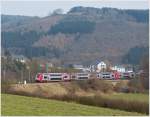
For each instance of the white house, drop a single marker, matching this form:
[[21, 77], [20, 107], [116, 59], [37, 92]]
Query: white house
[[118, 68], [49, 64], [92, 68], [79, 67], [129, 69], [20, 58], [101, 66]]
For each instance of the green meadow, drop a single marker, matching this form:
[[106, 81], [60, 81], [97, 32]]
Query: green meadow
[[14, 105]]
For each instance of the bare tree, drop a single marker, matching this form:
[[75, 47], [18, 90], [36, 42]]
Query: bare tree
[[57, 11], [145, 74]]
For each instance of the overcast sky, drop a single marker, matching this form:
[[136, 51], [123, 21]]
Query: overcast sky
[[42, 8]]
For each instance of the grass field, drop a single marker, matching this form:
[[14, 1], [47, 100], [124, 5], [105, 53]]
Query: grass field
[[129, 96], [20, 105]]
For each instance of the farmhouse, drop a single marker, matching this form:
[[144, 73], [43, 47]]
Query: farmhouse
[[101, 66]]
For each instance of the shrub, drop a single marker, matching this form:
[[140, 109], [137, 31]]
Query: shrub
[[95, 84], [115, 103], [121, 87], [135, 85], [132, 106], [6, 84], [72, 27]]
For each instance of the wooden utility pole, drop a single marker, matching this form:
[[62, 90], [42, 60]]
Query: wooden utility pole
[[22, 76]]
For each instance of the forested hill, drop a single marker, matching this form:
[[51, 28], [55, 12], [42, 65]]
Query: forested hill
[[82, 35]]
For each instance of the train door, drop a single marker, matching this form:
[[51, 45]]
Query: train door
[[45, 77]]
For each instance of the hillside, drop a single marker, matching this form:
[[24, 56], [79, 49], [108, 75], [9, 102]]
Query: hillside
[[43, 107], [83, 32]]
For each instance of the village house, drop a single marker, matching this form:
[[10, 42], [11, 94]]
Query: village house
[[98, 66], [118, 68], [129, 69], [81, 68], [101, 66], [92, 68], [19, 58]]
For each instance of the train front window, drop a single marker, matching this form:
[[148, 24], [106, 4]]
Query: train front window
[[45, 77], [38, 75], [65, 77]]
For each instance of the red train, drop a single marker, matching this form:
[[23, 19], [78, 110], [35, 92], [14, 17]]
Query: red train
[[46, 77]]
